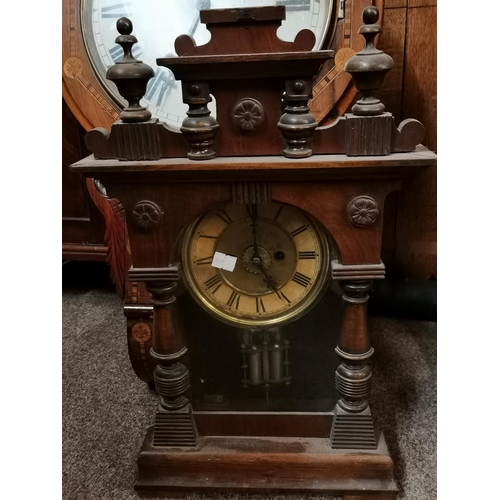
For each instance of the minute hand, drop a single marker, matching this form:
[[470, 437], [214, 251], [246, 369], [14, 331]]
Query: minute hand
[[268, 278]]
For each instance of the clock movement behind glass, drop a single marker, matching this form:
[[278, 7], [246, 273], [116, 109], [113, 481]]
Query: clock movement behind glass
[[258, 235]]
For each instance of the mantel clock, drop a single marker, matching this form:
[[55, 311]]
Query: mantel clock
[[258, 235]]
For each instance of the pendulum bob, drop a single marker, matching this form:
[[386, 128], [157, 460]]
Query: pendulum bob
[[265, 363]]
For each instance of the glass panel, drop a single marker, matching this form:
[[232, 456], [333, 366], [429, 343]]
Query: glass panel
[[235, 370]]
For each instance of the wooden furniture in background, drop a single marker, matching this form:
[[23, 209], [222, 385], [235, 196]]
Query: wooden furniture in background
[[82, 225], [356, 162], [410, 233]]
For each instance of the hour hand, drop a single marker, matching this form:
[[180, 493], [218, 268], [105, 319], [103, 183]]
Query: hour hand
[[269, 280]]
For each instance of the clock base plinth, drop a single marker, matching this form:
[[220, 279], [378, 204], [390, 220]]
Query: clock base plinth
[[265, 464]]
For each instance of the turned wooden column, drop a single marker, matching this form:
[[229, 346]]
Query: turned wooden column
[[174, 422], [352, 423], [297, 124], [199, 127]]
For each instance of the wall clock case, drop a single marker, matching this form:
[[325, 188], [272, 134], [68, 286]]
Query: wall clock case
[[238, 226]]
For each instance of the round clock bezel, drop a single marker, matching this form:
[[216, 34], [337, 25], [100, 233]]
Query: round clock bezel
[[302, 307]]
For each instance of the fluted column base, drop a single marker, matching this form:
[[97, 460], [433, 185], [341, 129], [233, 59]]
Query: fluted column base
[[353, 430], [175, 428]]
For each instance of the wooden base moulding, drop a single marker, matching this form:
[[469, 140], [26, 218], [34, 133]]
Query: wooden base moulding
[[265, 465]]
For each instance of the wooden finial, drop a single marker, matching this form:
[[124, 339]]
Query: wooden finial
[[130, 75], [369, 66], [297, 124]]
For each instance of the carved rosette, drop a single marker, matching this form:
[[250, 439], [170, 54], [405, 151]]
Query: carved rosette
[[248, 114], [363, 211], [141, 332], [146, 215], [73, 67]]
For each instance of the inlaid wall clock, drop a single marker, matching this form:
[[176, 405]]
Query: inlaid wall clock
[[89, 49]]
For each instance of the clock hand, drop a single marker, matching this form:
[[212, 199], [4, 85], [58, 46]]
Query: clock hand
[[270, 281], [255, 255], [256, 258]]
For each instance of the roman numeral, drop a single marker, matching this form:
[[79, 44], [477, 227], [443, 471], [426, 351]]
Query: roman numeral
[[299, 230], [137, 50], [124, 12], [214, 281], [259, 305], [224, 217], [116, 53], [301, 279], [252, 210], [281, 295], [160, 86], [278, 213], [205, 260], [234, 299], [307, 255]]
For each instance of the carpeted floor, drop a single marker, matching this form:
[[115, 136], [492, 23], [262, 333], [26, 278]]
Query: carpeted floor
[[106, 408]]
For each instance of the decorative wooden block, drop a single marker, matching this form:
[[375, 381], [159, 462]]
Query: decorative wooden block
[[136, 141], [251, 192], [368, 135]]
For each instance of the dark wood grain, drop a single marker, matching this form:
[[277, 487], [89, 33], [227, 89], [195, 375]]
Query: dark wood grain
[[392, 41], [302, 425], [416, 234], [154, 249], [278, 465], [82, 224], [115, 236], [250, 30], [324, 166], [422, 3], [393, 4]]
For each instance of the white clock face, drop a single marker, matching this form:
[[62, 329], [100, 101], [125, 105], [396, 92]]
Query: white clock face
[[157, 23]]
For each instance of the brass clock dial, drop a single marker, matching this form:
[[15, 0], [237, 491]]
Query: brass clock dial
[[280, 259]]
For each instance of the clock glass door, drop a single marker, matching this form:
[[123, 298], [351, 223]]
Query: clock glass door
[[286, 368], [261, 329], [157, 23]]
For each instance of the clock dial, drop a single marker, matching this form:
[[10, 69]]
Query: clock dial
[[157, 23], [256, 265]]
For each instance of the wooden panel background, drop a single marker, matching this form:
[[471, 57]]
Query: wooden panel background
[[410, 36], [82, 223]]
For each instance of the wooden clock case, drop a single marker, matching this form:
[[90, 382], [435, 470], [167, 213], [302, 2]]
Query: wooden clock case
[[340, 174]]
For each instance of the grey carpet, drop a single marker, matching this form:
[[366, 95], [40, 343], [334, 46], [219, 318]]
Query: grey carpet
[[106, 408]]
